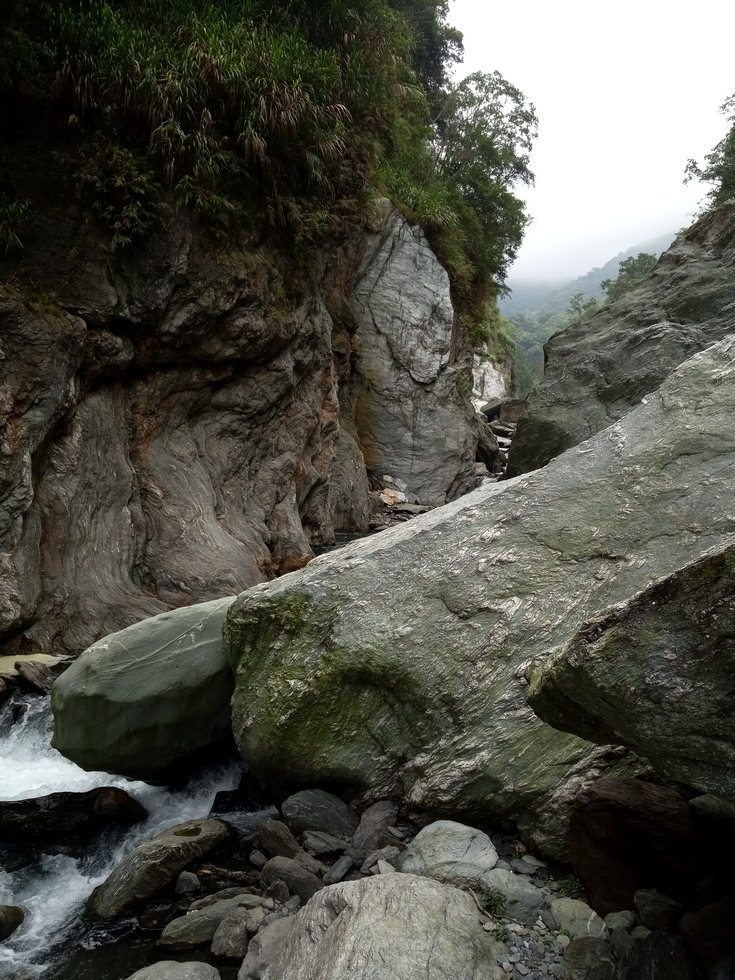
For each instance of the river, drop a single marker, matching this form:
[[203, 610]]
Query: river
[[53, 887]]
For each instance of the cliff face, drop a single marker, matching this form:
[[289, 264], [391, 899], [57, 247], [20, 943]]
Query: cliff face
[[183, 423], [599, 370]]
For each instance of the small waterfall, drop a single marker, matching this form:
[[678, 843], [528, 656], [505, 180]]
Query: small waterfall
[[54, 887]]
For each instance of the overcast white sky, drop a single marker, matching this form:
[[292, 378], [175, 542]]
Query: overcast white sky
[[625, 92]]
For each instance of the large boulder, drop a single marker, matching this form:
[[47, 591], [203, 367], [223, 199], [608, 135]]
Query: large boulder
[[398, 667], [146, 699], [598, 371], [152, 866], [171, 970], [390, 927], [450, 852], [655, 672]]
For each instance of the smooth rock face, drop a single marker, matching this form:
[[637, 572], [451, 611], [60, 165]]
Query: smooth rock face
[[391, 927], [654, 672], [449, 852], [412, 420], [142, 700], [598, 371], [63, 817], [397, 667], [153, 865], [171, 970]]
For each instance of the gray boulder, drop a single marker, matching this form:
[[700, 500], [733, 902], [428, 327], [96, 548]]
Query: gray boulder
[[654, 672], [511, 895], [577, 918], [450, 852], [598, 371], [145, 699], [231, 938], [171, 970], [300, 880], [315, 809], [391, 927], [153, 865], [264, 948], [398, 667], [200, 926]]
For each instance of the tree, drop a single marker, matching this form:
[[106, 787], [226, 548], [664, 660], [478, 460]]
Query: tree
[[719, 168], [632, 271], [581, 308]]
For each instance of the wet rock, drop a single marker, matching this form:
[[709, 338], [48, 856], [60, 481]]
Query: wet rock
[[709, 932], [199, 926], [314, 809], [320, 843], [67, 817], [658, 956], [338, 870], [187, 884], [11, 917], [154, 865]]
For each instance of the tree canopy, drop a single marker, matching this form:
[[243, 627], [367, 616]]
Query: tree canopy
[[719, 165], [297, 110]]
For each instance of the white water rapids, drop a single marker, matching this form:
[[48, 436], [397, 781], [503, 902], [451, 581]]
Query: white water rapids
[[54, 888]]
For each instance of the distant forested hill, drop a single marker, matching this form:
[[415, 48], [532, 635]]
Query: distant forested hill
[[532, 296], [536, 310]]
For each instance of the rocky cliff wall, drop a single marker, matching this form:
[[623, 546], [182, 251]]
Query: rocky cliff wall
[[598, 371], [182, 423]]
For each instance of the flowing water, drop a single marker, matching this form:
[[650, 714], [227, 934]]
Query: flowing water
[[53, 887]]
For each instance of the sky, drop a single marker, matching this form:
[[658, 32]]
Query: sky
[[625, 94]]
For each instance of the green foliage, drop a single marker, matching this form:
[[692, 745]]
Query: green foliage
[[121, 188], [501, 934], [581, 308], [494, 902], [570, 887], [719, 165], [632, 271], [14, 213]]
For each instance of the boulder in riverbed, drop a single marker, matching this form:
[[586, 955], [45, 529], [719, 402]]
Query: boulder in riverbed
[[153, 865], [145, 700], [398, 667], [64, 817], [389, 927]]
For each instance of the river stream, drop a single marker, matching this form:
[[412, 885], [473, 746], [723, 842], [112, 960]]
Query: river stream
[[53, 887]]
